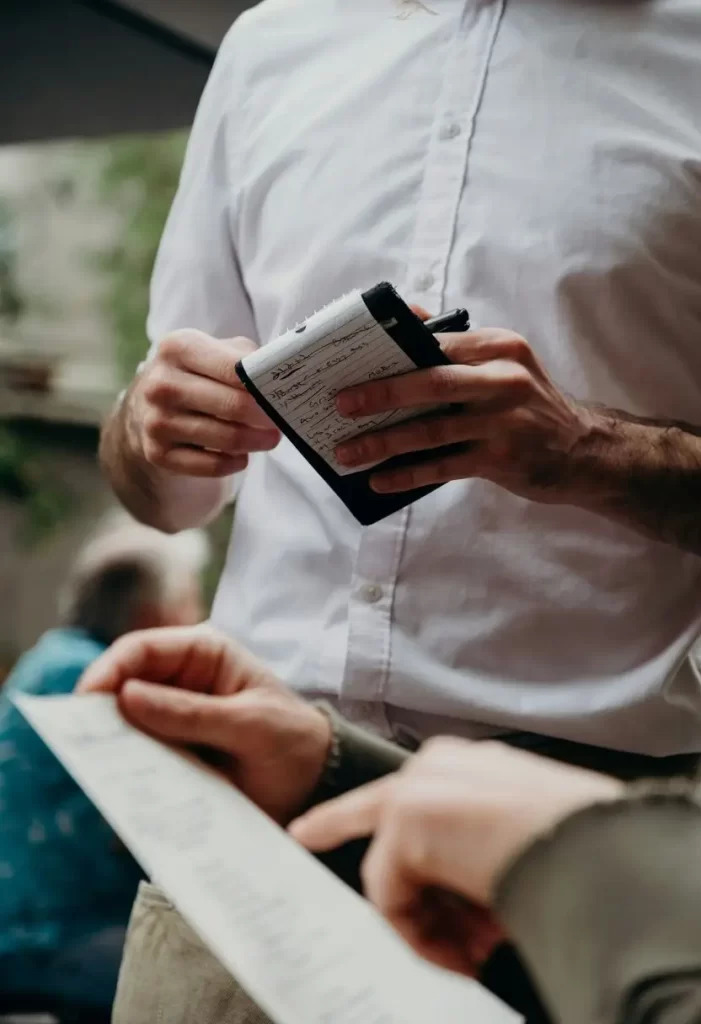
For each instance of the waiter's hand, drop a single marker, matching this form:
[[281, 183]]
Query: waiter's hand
[[505, 418], [445, 828], [188, 411], [197, 687]]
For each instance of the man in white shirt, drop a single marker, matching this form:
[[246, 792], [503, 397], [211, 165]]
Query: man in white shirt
[[539, 162]]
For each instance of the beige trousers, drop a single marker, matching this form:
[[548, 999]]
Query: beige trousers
[[168, 975]]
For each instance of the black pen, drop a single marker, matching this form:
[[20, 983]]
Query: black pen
[[455, 321]]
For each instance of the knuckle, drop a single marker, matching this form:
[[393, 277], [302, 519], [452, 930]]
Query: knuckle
[[155, 453], [155, 425], [233, 405], [381, 393], [520, 348], [375, 446], [177, 344], [519, 381], [446, 384], [236, 440], [171, 348], [434, 431], [158, 388], [190, 715]]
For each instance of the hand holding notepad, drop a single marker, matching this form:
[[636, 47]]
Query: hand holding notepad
[[360, 337]]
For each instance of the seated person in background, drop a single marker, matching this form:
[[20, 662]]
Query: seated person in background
[[597, 884], [66, 888]]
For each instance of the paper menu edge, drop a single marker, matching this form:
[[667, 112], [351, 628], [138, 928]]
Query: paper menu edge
[[185, 897]]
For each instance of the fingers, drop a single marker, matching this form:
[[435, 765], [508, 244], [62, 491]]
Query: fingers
[[487, 344], [166, 434], [419, 435], [195, 417], [191, 429], [168, 387], [435, 923], [498, 379], [192, 658], [352, 816], [194, 462], [179, 716], [459, 466], [209, 357]]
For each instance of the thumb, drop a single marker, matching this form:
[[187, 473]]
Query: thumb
[[423, 314], [179, 716]]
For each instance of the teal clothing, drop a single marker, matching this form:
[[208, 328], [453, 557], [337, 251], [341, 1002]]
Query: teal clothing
[[63, 877]]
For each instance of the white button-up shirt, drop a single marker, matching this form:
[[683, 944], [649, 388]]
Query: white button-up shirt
[[538, 161]]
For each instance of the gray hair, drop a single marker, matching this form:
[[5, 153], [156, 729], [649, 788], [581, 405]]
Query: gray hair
[[124, 569]]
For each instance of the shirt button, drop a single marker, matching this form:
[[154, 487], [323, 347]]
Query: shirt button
[[371, 593], [451, 131], [424, 282]]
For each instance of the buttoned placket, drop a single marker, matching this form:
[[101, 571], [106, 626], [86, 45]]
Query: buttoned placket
[[379, 553]]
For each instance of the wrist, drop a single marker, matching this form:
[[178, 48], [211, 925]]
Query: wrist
[[354, 757], [594, 463]]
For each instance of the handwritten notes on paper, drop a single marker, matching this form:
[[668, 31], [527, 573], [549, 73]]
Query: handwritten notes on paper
[[301, 373], [308, 949]]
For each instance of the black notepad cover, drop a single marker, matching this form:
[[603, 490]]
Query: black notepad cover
[[354, 490]]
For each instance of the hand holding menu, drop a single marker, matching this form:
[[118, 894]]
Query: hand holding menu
[[360, 337], [304, 945]]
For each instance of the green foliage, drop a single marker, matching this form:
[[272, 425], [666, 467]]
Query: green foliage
[[137, 180], [138, 177], [12, 302]]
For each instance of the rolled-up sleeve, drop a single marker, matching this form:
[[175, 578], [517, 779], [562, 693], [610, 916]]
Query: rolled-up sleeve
[[606, 912]]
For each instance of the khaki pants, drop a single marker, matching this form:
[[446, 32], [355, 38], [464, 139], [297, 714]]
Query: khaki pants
[[169, 977]]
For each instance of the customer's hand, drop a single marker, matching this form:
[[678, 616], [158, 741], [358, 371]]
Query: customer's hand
[[188, 412], [197, 687], [447, 826], [507, 420]]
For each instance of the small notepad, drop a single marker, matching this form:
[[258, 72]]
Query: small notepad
[[361, 337]]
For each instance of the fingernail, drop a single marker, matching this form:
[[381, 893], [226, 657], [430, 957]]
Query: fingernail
[[348, 454], [268, 439], [380, 484], [349, 403]]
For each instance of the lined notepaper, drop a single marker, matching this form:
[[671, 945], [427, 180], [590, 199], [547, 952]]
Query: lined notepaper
[[305, 946], [301, 373]]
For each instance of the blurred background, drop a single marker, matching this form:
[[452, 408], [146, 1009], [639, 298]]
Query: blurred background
[[98, 98]]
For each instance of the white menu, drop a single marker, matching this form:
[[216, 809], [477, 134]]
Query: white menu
[[306, 948]]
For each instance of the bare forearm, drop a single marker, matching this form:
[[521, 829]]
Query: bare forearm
[[153, 496], [643, 473]]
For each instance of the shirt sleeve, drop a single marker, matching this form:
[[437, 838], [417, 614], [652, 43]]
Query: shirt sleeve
[[356, 757], [197, 280], [606, 912]]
